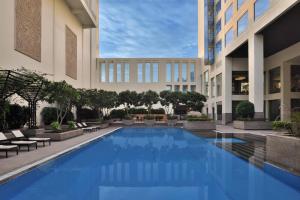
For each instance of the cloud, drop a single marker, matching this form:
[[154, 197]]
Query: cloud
[[148, 28]]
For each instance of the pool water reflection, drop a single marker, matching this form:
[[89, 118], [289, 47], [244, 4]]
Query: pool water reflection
[[148, 164]]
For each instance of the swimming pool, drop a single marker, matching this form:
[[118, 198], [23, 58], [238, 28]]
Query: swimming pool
[[148, 164]]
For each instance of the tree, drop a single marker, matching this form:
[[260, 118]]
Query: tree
[[165, 100], [82, 100], [194, 101], [128, 99], [63, 95], [149, 98]]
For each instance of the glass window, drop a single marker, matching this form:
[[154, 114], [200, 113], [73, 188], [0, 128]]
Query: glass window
[[219, 85], [155, 72], [295, 105], [169, 87], [193, 88], [242, 23], [192, 72], [184, 88], [169, 72], [184, 72], [274, 110], [274, 80], [148, 73], [176, 72], [240, 83], [127, 72], [228, 14], [140, 73], [206, 83], [240, 3], [119, 72], [218, 47], [111, 72], [260, 7], [218, 7], [103, 72], [218, 27], [295, 78], [212, 87], [229, 37], [177, 88]]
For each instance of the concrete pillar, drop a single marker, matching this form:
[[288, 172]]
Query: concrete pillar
[[256, 73], [227, 90], [285, 71]]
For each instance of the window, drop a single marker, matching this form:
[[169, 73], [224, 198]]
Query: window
[[184, 88], [240, 3], [242, 23], [192, 72], [140, 73], [240, 83], [184, 73], [111, 72], [206, 79], [295, 105], [295, 78], [119, 73], [274, 110], [274, 80], [260, 7], [176, 72], [228, 14], [127, 73], [155, 72], [218, 47], [169, 87], [193, 88], [218, 27], [169, 72], [177, 88], [148, 73], [103, 72], [218, 7], [212, 87], [219, 85], [229, 37]]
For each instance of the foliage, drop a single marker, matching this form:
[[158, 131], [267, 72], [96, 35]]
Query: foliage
[[71, 125], [279, 125], [148, 99], [56, 126], [194, 101], [159, 111], [181, 110], [86, 114], [165, 100], [192, 118], [80, 102], [49, 115], [136, 111], [128, 99], [118, 114], [15, 116], [149, 117], [64, 96], [245, 109]]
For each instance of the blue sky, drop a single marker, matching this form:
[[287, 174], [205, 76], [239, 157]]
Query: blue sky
[[148, 28]]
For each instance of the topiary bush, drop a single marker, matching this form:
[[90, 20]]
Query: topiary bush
[[49, 116], [245, 110]]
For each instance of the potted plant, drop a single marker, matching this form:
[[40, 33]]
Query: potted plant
[[199, 122], [149, 120], [245, 112], [128, 120], [172, 120]]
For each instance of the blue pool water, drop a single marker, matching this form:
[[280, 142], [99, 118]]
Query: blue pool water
[[148, 164]]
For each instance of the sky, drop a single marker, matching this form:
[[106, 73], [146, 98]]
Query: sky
[[148, 28]]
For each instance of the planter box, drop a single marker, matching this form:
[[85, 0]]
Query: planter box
[[252, 125], [149, 122], [284, 151], [128, 122], [62, 136], [199, 125], [172, 122], [33, 132]]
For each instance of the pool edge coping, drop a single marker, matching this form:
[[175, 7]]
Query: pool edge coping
[[22, 170]]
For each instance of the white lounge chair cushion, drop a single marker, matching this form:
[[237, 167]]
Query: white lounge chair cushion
[[84, 124], [6, 147], [2, 136], [18, 134], [39, 139], [23, 142], [80, 125]]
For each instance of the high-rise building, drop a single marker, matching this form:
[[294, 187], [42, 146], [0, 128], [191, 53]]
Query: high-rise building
[[250, 51]]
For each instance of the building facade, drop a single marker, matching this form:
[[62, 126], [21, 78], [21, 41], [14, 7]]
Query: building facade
[[250, 51], [142, 74]]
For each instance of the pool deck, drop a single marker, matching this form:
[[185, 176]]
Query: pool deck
[[230, 129], [14, 163]]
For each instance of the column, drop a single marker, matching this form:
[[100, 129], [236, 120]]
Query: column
[[227, 90], [256, 73], [285, 80]]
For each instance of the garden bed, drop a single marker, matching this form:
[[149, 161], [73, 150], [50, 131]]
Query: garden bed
[[61, 136], [252, 125]]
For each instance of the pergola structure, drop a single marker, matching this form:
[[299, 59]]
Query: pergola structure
[[27, 86]]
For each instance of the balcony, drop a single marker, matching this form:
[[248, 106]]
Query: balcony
[[83, 13]]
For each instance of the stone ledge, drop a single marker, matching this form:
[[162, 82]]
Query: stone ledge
[[199, 125], [252, 125], [62, 136]]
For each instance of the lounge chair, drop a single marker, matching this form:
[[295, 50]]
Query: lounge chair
[[8, 148], [84, 128], [19, 143], [18, 134], [94, 127]]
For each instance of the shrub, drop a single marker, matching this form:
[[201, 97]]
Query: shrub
[[192, 118], [181, 110], [245, 110], [71, 125], [159, 111], [117, 114], [137, 111], [17, 116], [86, 114], [49, 115], [55, 126], [277, 125]]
